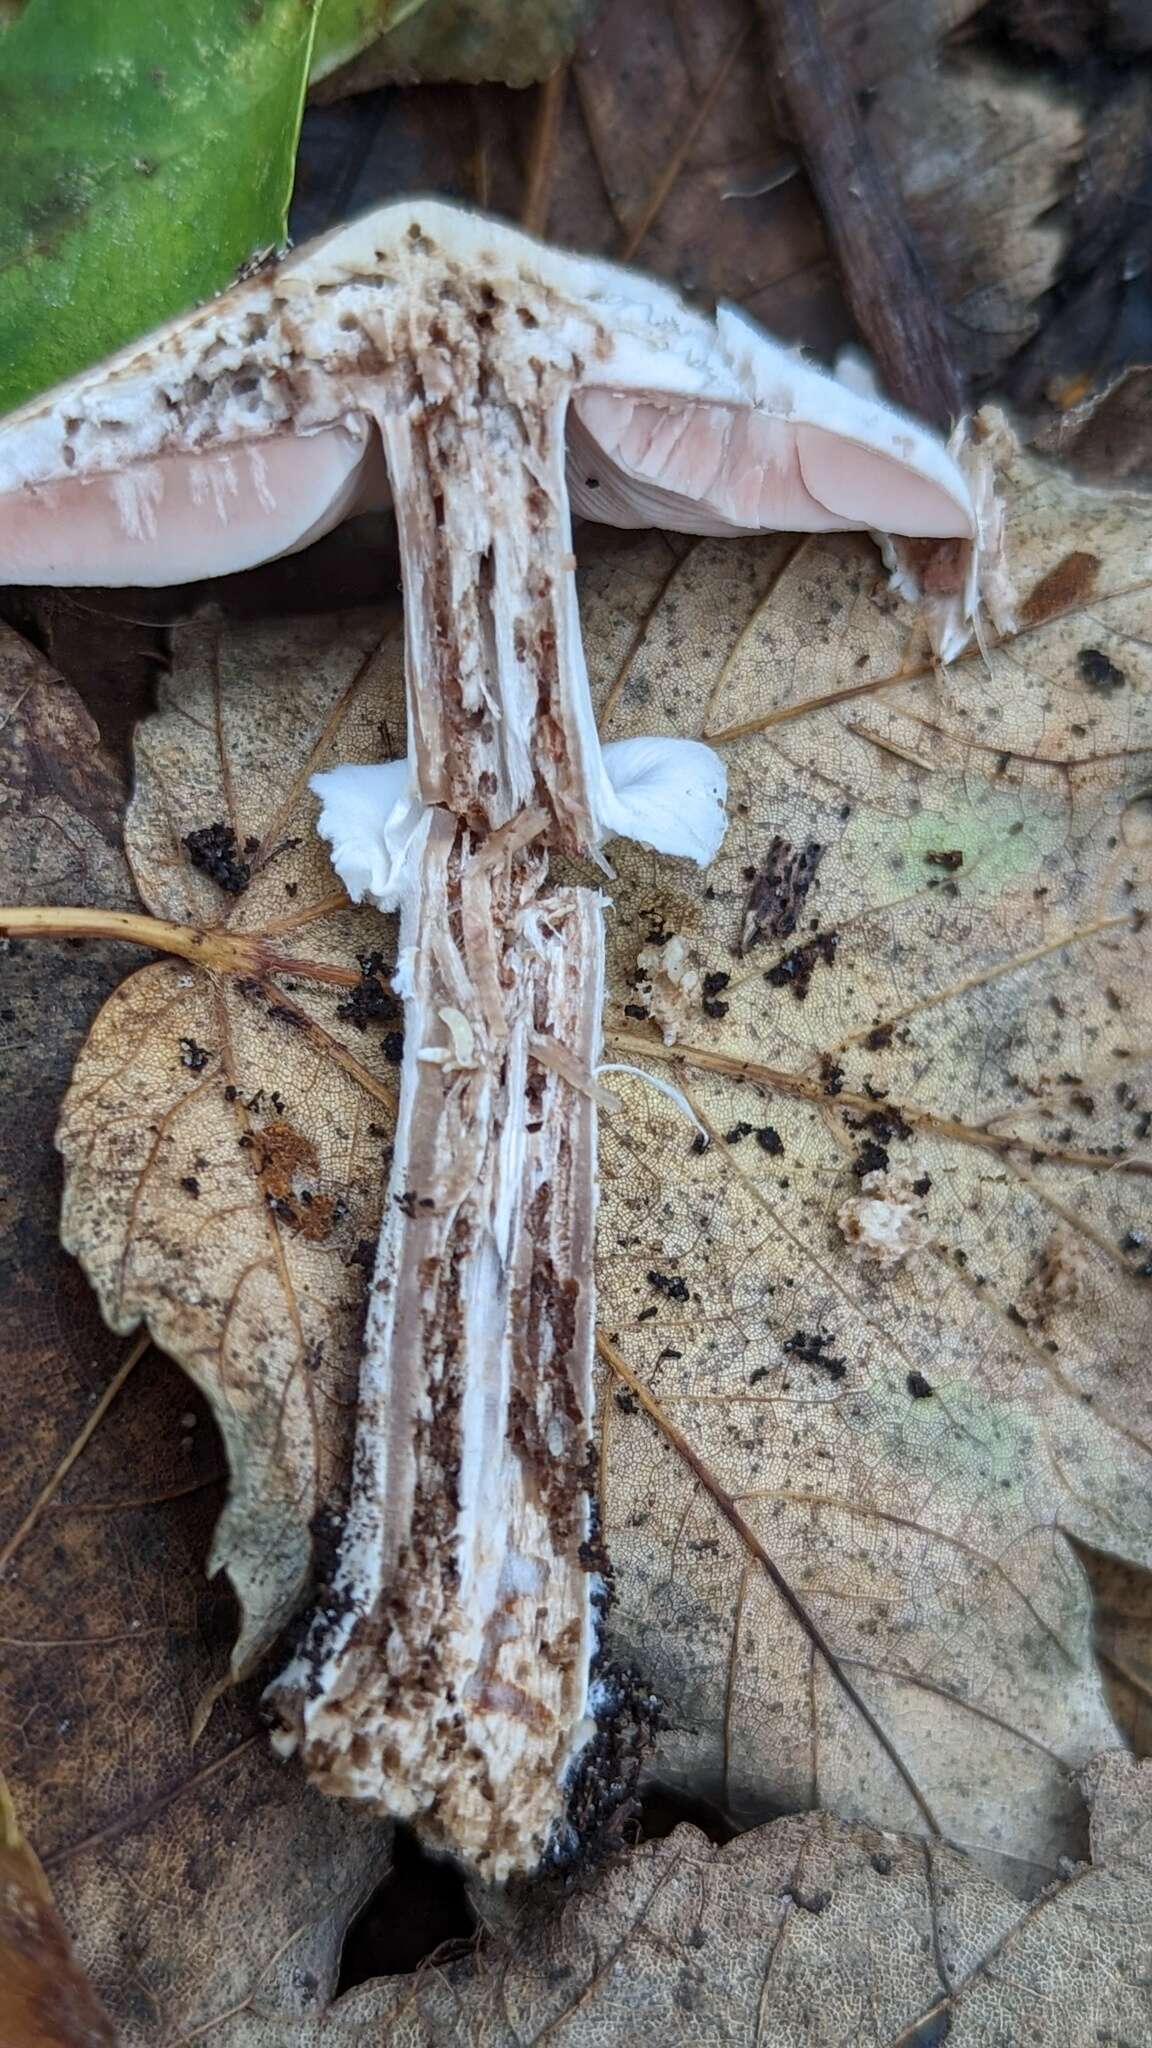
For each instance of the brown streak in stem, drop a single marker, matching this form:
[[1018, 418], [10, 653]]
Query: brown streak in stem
[[810, 1089], [310, 970], [542, 157], [748, 1537], [887, 287]]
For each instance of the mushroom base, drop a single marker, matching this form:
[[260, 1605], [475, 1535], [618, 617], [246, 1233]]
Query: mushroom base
[[446, 1677]]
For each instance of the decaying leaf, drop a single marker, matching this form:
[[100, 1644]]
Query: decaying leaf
[[963, 997], [193, 1874], [804, 1934], [226, 1134], [45, 2002]]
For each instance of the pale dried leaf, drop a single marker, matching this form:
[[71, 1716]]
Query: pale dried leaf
[[191, 1876], [907, 1443], [915, 1491], [226, 1135], [804, 1934]]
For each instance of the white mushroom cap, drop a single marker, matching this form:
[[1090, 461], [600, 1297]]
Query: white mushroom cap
[[676, 419], [223, 509], [799, 451]]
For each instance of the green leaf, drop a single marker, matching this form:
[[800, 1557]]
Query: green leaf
[[348, 26], [514, 42], [147, 153]]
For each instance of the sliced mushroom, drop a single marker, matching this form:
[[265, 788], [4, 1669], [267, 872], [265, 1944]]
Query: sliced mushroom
[[227, 508], [449, 1677]]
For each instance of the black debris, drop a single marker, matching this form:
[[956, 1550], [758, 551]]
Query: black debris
[[871, 1158], [1097, 672], [812, 1348], [671, 1285], [796, 969], [919, 1387], [371, 1001], [779, 890], [213, 849]]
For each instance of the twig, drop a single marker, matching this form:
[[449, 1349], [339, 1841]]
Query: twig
[[891, 296], [542, 156]]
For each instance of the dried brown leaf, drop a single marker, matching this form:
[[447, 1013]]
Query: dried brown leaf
[[192, 1877], [45, 2001], [804, 1934], [226, 1133], [907, 1443]]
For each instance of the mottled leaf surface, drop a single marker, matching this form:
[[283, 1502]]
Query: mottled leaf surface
[[913, 1444], [226, 1133], [804, 1934], [191, 1871]]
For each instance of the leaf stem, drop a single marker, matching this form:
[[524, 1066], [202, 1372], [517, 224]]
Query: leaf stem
[[234, 952], [810, 1088], [221, 951]]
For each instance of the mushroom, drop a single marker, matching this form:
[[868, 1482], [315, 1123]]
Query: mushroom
[[451, 1679]]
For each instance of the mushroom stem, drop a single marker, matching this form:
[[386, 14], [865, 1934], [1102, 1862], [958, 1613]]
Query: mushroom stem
[[500, 720], [447, 1678]]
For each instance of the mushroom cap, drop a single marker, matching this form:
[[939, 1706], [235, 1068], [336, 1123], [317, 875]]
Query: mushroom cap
[[212, 512], [243, 430]]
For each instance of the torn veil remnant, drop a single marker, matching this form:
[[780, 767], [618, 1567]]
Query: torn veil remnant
[[494, 384]]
